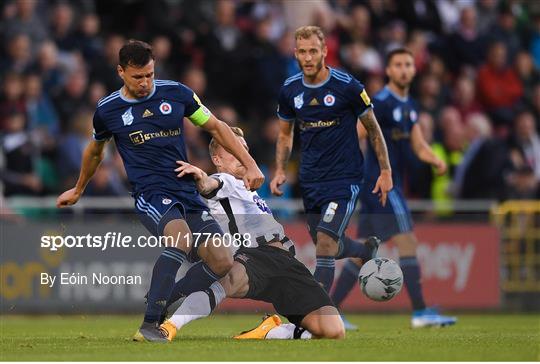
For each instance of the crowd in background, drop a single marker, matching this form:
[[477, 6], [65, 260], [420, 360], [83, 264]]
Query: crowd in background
[[477, 86]]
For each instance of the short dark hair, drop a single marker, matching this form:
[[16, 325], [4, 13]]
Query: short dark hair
[[395, 52], [135, 53]]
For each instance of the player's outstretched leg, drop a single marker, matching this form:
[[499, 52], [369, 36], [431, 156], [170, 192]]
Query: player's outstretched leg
[[162, 282], [422, 316], [200, 304]]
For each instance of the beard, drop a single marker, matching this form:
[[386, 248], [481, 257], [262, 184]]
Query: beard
[[315, 70]]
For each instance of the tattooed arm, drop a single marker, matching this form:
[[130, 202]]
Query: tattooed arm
[[384, 182], [283, 152]]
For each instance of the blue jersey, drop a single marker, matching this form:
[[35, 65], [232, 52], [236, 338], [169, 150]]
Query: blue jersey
[[327, 114], [396, 117], [149, 134]]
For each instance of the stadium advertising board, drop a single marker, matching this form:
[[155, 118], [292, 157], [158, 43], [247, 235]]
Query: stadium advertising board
[[459, 262]]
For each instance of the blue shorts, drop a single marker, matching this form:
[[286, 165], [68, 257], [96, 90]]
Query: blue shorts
[[329, 207], [156, 208], [384, 222]]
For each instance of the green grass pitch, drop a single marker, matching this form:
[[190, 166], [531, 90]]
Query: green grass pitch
[[493, 337]]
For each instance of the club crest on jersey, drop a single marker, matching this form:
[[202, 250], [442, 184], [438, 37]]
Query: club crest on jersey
[[397, 114], [165, 108], [299, 101], [166, 201], [329, 100], [127, 117]]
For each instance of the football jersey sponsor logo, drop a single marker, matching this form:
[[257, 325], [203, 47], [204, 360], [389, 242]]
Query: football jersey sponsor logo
[[147, 113], [165, 108], [166, 201], [127, 117], [317, 124], [329, 100], [299, 101], [140, 137]]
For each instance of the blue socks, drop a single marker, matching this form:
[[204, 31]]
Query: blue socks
[[198, 278], [346, 281], [411, 276], [349, 248], [163, 277], [324, 271]]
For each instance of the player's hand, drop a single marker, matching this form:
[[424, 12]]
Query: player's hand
[[440, 167], [186, 168], [254, 178], [384, 185], [68, 198], [279, 179]]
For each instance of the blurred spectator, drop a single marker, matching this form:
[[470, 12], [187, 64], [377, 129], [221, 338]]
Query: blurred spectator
[[62, 27], [25, 20], [361, 58], [19, 55], [18, 174], [525, 157], [49, 68], [534, 45], [106, 181], [479, 176], [450, 149], [505, 31], [418, 45], [96, 91], [88, 39], [488, 11], [464, 97], [420, 14], [40, 110], [72, 98], [161, 47], [11, 99], [429, 95], [499, 87], [195, 79], [225, 58], [535, 104], [529, 76], [105, 70], [465, 46]]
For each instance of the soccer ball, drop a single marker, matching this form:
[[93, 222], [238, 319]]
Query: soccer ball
[[380, 279]]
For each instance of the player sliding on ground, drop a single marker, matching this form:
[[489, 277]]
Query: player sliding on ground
[[266, 271]]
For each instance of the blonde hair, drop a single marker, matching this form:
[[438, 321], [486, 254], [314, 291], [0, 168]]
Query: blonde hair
[[307, 31], [213, 146]]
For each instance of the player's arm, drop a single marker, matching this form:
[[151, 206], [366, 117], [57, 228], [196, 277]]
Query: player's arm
[[223, 134], [384, 182], [92, 157], [283, 153], [424, 152], [205, 184]]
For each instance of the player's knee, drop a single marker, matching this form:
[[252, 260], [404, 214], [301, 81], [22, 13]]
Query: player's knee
[[221, 262], [326, 245], [334, 331]]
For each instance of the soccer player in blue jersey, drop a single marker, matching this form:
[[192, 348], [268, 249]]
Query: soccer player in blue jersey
[[397, 114], [326, 104], [145, 119]]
